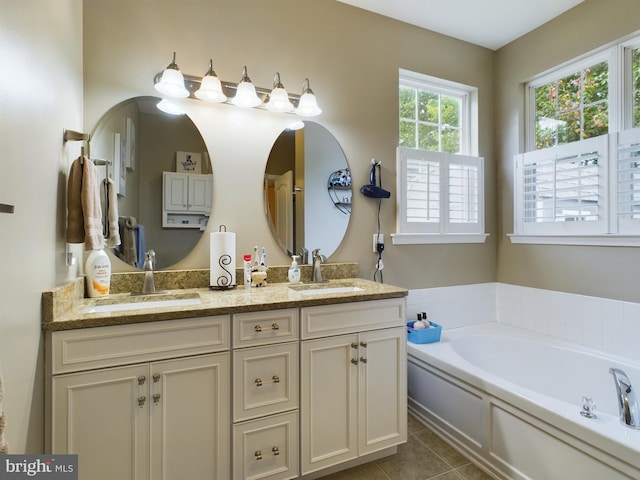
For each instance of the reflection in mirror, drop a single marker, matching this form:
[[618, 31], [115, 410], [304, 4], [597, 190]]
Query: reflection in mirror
[[152, 143], [307, 191]]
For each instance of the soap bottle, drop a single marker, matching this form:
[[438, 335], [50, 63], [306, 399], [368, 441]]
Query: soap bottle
[[294, 270], [98, 273]]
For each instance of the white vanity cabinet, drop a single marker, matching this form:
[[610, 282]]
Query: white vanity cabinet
[[143, 401], [186, 200], [353, 381], [266, 395]]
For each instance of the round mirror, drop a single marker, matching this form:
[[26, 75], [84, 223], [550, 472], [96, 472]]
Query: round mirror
[[307, 190], [163, 178]]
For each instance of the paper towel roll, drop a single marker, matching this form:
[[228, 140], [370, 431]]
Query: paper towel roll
[[222, 260]]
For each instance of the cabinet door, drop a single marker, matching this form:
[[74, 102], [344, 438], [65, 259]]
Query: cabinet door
[[103, 417], [190, 418], [382, 389], [175, 191], [200, 193], [329, 379]]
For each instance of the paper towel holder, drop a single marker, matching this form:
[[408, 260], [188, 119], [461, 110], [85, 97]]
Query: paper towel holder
[[224, 261]]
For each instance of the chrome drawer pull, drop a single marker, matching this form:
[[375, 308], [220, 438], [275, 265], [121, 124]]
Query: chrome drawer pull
[[276, 379], [258, 382], [257, 328], [275, 450], [258, 455], [275, 326]]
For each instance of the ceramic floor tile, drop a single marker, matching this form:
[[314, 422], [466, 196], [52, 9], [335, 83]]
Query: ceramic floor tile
[[413, 462], [368, 471], [471, 472], [452, 456]]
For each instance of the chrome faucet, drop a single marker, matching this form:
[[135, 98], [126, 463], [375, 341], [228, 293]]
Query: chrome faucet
[[149, 285], [316, 272], [627, 402]]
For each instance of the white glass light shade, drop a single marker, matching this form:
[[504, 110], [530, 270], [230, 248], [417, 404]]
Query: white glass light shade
[[246, 96], [279, 101], [172, 84], [211, 90], [308, 106], [171, 108]]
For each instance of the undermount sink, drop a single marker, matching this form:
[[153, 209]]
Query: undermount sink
[[325, 289], [144, 304]]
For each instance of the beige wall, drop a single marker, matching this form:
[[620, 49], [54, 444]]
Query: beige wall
[[352, 59], [40, 95], [612, 272]]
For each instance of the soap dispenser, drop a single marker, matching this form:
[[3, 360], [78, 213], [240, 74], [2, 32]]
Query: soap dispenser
[[294, 270]]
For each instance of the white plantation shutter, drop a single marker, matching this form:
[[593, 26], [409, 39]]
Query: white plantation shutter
[[627, 182], [562, 190], [439, 192]]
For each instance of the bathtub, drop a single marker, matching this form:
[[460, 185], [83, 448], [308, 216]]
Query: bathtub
[[510, 399]]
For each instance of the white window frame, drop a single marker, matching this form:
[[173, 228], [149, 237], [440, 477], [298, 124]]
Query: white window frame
[[445, 232], [612, 229]]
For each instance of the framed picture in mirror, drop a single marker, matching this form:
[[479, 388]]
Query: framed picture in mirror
[[188, 162], [130, 144]]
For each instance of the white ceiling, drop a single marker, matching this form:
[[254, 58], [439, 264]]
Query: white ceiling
[[489, 23]]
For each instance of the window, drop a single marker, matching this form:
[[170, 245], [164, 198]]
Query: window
[[440, 185], [579, 181], [573, 107], [439, 193]]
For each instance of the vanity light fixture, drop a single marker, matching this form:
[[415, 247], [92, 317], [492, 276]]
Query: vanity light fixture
[[246, 95], [210, 87], [172, 81], [308, 105], [279, 98]]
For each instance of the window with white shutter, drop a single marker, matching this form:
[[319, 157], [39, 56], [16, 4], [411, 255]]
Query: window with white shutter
[[440, 194]]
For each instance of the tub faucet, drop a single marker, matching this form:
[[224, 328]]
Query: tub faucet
[[149, 285], [316, 272], [627, 402]]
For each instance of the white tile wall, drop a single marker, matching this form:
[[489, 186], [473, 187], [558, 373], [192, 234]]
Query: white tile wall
[[453, 307], [609, 325]]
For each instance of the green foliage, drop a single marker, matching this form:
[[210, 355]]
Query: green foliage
[[573, 108], [429, 120]]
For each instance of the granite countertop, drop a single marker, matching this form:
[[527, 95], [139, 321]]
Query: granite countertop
[[66, 308]]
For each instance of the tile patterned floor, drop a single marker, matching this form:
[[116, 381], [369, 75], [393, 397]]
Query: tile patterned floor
[[424, 457]]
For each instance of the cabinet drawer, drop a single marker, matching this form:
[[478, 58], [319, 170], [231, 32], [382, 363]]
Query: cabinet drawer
[[98, 347], [266, 380], [322, 321], [260, 328], [266, 448]]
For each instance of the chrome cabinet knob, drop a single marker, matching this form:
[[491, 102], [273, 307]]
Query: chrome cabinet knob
[[141, 379], [363, 344], [354, 361], [354, 345], [257, 329], [275, 450], [141, 401], [156, 398], [258, 455], [363, 359], [276, 379], [156, 377], [258, 382]]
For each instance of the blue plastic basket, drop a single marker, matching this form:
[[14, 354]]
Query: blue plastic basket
[[426, 335]]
